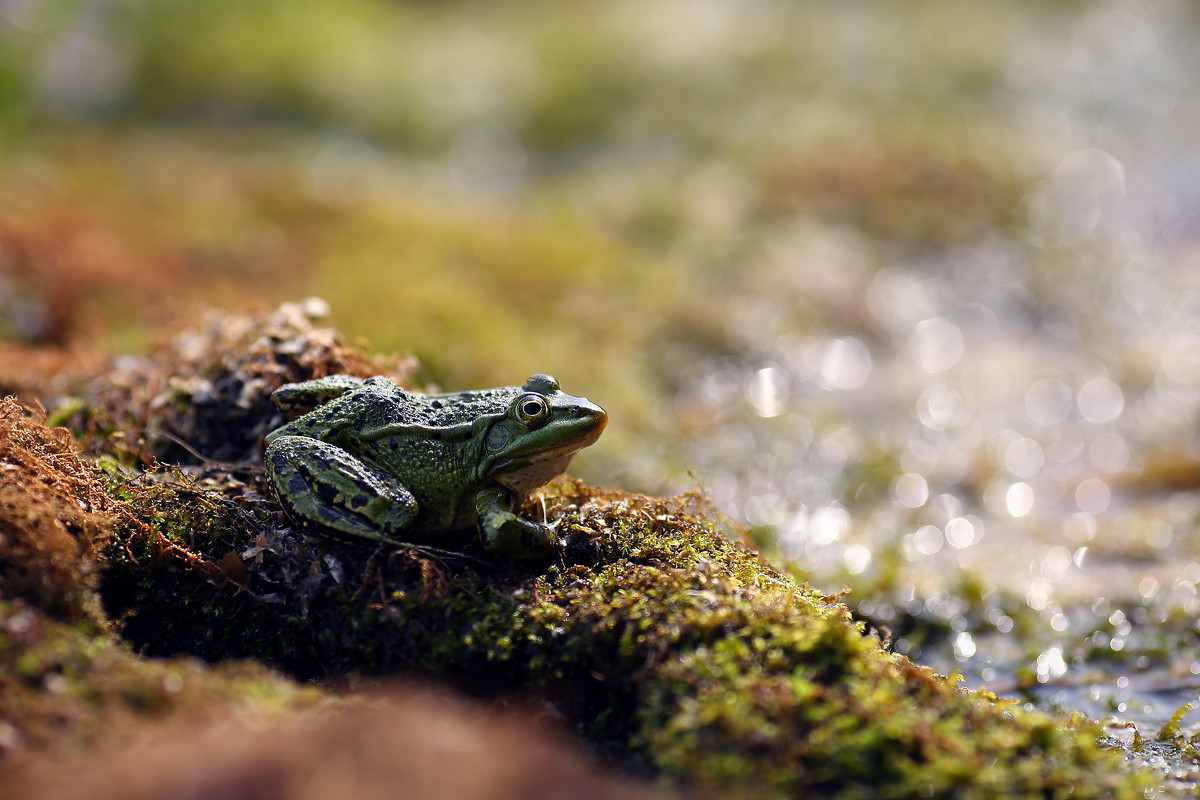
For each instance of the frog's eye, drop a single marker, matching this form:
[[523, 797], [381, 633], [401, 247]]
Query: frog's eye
[[532, 410]]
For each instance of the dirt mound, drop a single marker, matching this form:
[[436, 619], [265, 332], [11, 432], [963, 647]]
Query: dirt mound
[[406, 743], [206, 394]]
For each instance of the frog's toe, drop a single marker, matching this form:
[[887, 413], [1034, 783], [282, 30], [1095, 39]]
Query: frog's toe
[[519, 538]]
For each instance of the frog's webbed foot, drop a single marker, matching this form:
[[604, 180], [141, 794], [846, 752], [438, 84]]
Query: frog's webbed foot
[[506, 534], [318, 483]]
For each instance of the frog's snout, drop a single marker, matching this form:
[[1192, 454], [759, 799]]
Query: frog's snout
[[597, 415]]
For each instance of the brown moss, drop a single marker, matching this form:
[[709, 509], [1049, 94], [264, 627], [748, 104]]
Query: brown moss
[[56, 518], [65, 680]]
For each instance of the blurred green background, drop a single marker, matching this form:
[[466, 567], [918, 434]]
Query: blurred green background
[[909, 288], [592, 189]]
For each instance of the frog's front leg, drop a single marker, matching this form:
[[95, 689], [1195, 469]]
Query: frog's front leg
[[320, 483], [506, 534]]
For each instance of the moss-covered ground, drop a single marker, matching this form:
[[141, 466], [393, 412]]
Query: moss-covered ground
[[842, 265], [669, 648]]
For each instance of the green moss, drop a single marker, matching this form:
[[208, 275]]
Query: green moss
[[673, 650]]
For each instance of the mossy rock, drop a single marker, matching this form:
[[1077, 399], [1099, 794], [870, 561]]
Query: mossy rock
[[673, 650]]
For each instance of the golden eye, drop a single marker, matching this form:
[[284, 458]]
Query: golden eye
[[532, 410]]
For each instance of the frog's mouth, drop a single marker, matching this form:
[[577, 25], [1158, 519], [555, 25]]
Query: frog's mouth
[[590, 423], [567, 449]]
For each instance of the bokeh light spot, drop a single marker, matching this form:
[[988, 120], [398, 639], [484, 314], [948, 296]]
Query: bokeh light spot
[[1100, 400], [845, 364], [1023, 457], [936, 344], [910, 490], [1092, 496], [1048, 401], [857, 558], [1019, 499], [963, 532], [768, 391]]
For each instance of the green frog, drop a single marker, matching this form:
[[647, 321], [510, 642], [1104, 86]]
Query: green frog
[[372, 462]]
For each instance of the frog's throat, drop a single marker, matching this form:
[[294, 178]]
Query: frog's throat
[[524, 479], [563, 451]]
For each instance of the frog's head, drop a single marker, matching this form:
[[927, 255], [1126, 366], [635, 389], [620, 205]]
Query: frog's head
[[536, 438]]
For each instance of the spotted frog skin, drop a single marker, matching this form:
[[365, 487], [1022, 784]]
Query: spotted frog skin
[[373, 463]]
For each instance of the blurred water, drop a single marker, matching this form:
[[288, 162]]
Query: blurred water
[[1021, 408]]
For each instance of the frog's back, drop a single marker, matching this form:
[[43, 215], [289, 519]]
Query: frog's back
[[460, 408]]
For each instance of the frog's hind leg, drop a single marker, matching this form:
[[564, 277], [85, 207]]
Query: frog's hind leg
[[323, 485]]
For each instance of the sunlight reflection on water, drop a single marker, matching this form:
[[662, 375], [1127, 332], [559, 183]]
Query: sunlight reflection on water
[[1016, 402]]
